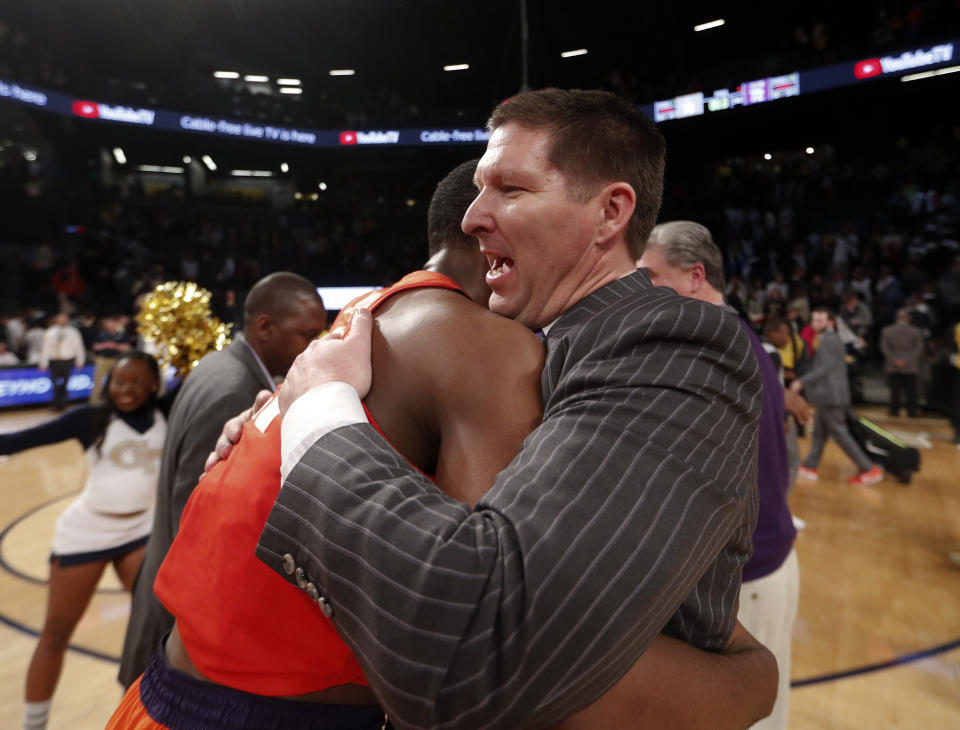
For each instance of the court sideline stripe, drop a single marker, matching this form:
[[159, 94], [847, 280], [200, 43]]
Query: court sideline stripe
[[30, 512], [810, 681], [73, 647], [901, 660]]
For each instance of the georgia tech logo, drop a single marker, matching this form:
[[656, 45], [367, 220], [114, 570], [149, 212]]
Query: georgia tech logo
[[134, 455]]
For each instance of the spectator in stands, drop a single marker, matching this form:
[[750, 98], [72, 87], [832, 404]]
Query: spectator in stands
[[7, 358], [33, 339], [902, 347], [109, 344], [861, 284], [62, 351], [856, 314], [778, 284], [14, 330], [798, 306], [889, 296]]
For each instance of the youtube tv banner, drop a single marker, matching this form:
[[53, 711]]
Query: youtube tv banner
[[744, 93], [773, 88]]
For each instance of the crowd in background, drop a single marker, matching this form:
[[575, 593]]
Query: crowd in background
[[865, 233]]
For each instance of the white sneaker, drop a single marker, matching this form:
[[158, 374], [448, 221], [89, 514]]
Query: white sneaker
[[799, 524]]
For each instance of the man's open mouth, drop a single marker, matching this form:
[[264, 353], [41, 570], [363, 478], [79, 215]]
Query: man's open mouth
[[500, 266]]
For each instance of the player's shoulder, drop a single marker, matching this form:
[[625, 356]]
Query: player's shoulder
[[437, 321]]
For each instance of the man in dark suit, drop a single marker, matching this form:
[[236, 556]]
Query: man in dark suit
[[282, 314], [902, 346], [627, 512], [826, 386]]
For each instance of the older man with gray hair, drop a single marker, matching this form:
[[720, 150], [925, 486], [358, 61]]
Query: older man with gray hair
[[683, 256]]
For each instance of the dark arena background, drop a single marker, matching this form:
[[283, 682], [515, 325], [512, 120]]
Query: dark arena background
[[216, 142]]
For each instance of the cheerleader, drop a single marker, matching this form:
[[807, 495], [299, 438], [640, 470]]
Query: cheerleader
[[109, 522]]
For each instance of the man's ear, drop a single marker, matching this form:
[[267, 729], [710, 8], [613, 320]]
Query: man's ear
[[617, 201], [262, 327], [698, 275]]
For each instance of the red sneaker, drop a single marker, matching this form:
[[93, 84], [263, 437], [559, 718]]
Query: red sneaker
[[870, 476], [811, 475]]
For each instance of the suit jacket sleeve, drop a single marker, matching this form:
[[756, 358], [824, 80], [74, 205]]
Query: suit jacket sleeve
[[608, 522]]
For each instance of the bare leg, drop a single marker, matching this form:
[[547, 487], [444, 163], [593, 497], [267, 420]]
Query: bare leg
[[127, 567], [71, 589]]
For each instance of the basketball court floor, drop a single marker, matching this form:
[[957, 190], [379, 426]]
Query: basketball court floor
[[876, 645]]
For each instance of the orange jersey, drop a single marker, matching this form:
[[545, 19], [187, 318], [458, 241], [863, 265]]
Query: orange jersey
[[243, 625]]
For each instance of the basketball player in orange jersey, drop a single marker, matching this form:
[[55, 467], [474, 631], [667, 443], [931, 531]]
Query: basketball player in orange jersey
[[456, 391]]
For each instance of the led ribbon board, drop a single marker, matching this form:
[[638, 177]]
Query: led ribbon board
[[746, 93]]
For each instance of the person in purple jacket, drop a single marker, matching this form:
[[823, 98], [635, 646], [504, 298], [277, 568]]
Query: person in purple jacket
[[683, 256]]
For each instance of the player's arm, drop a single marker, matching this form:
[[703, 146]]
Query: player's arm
[[675, 687]]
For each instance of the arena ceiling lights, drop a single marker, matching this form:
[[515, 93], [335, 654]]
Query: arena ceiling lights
[[572, 54], [226, 75], [168, 169], [342, 72], [457, 67], [711, 24], [930, 74]]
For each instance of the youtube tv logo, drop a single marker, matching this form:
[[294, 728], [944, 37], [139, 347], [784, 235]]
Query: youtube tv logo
[[868, 68], [86, 109], [348, 137]]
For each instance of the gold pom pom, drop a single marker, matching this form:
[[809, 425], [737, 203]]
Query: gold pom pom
[[176, 317]]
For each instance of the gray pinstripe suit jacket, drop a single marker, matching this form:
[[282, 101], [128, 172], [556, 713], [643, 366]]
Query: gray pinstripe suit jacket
[[628, 510]]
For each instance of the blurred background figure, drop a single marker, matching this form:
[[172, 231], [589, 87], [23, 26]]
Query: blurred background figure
[[7, 358], [902, 346], [110, 342], [61, 352], [826, 386]]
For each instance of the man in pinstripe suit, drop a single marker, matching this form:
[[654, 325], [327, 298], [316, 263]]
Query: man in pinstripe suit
[[628, 511]]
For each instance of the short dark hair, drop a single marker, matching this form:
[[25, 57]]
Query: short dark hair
[[831, 315], [277, 295], [106, 409], [596, 138], [684, 244], [772, 324], [452, 197]]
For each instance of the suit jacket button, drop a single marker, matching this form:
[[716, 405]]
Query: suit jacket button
[[313, 592], [301, 578], [288, 564], [325, 607]]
